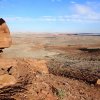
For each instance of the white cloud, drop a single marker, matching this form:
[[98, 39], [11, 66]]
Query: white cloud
[[56, 0], [19, 19], [71, 18], [85, 12], [73, 2], [47, 18], [64, 19], [82, 9]]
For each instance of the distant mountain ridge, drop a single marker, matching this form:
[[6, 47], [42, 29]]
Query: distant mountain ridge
[[94, 34]]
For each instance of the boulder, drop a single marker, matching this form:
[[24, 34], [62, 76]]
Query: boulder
[[5, 40], [7, 80], [37, 65], [98, 82]]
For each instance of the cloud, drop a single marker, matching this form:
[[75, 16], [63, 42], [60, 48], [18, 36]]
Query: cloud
[[52, 19], [19, 19], [56, 0], [86, 12], [72, 2], [81, 13], [70, 18], [47, 18], [82, 9], [31, 19]]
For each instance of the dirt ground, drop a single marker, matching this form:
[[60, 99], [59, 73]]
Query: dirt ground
[[50, 67]]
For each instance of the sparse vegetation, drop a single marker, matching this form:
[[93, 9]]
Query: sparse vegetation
[[61, 93], [69, 68]]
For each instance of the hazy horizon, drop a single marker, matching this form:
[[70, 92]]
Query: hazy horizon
[[27, 32]]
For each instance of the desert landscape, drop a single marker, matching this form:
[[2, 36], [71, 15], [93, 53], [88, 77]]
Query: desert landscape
[[51, 66]]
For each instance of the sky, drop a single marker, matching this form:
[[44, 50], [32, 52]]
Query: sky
[[71, 16]]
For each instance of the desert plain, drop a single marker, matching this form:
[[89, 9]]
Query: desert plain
[[51, 66]]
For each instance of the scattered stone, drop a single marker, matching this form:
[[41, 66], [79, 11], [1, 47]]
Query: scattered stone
[[50, 97], [98, 82], [7, 80], [38, 66]]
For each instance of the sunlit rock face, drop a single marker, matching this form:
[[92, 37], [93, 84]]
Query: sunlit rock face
[[5, 40], [39, 66], [7, 80], [98, 82]]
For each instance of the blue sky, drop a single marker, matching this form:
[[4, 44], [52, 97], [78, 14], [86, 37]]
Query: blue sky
[[51, 15]]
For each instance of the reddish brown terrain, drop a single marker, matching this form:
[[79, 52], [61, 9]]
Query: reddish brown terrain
[[51, 67]]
